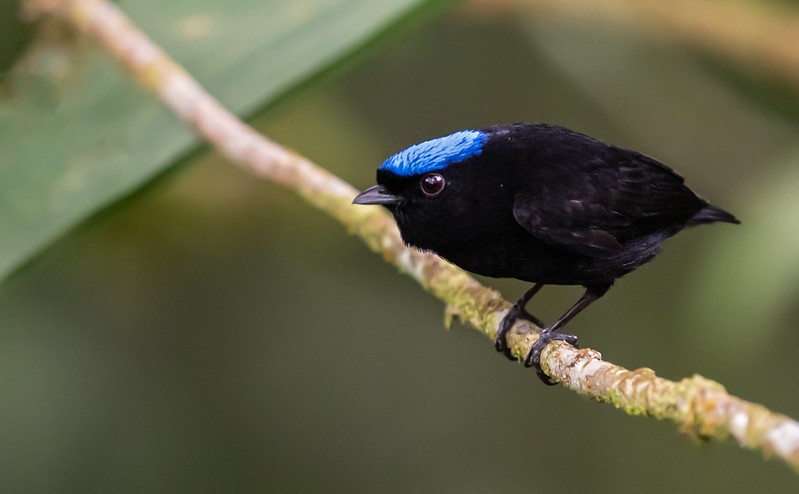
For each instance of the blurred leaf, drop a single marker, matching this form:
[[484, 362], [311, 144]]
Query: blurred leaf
[[668, 102], [77, 134], [763, 88], [14, 34], [744, 290]]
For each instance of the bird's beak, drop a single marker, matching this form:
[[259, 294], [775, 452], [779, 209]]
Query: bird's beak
[[376, 195]]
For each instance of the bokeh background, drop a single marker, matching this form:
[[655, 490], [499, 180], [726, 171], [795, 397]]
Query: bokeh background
[[213, 333]]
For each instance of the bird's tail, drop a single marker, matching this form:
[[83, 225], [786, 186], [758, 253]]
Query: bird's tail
[[712, 214]]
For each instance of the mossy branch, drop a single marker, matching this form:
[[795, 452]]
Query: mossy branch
[[699, 406]]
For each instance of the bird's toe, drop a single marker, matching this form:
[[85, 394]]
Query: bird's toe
[[533, 358]]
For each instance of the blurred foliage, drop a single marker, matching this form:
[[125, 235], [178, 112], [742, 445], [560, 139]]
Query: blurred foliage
[[747, 303], [216, 334], [105, 136], [776, 95], [15, 34]]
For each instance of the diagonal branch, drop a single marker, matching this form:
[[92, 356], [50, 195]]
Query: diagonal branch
[[699, 406]]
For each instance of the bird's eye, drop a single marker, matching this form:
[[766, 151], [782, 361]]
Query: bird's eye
[[432, 184]]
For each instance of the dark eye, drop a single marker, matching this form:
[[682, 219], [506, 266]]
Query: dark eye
[[432, 184]]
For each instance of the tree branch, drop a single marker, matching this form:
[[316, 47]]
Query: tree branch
[[699, 406]]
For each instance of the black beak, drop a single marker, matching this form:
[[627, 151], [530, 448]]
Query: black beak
[[376, 194]]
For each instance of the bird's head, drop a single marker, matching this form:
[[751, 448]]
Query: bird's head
[[438, 187], [419, 174]]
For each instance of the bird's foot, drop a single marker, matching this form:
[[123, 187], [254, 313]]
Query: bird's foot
[[515, 313], [533, 359]]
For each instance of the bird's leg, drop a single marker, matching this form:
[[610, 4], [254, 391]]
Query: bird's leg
[[516, 312], [551, 333]]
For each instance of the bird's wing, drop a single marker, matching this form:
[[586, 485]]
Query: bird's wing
[[573, 224], [593, 209]]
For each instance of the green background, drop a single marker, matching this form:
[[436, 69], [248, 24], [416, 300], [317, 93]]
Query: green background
[[214, 333]]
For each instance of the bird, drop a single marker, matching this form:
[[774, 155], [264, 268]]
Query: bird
[[539, 203]]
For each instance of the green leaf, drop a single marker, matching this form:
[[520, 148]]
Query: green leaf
[[76, 133], [14, 34]]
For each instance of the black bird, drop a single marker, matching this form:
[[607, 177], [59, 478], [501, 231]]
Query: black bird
[[538, 203]]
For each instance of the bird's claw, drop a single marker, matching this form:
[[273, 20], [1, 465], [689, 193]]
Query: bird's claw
[[501, 341], [533, 358]]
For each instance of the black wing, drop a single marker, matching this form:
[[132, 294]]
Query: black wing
[[594, 206]]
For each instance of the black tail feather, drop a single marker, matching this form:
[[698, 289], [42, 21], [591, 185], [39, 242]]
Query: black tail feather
[[712, 214]]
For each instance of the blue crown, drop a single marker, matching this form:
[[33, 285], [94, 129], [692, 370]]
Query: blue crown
[[436, 154]]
